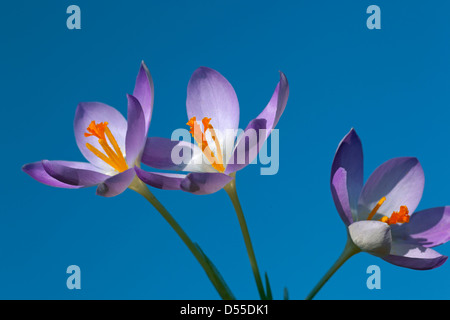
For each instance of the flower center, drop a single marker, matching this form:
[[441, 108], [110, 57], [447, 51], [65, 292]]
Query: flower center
[[115, 157], [216, 159], [402, 216]]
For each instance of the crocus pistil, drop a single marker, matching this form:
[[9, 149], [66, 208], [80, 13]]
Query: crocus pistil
[[216, 159], [113, 158], [402, 216]]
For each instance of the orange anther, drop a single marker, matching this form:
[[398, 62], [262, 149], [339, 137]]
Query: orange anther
[[199, 136], [113, 158]]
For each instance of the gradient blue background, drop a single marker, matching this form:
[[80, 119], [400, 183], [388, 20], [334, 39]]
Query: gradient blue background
[[391, 85]]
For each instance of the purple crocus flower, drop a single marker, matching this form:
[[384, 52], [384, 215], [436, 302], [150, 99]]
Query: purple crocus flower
[[377, 212], [212, 100], [111, 144]]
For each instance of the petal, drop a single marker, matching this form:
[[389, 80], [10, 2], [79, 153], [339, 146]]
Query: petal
[[36, 171], [413, 257], [165, 181], [204, 183], [349, 155], [98, 112], [74, 173], [166, 154], [339, 192], [136, 132], [210, 95], [144, 92], [116, 184], [400, 180], [427, 228], [259, 129], [373, 237]]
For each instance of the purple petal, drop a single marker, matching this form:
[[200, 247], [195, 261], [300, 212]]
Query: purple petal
[[165, 181], [349, 155], [144, 92], [259, 129], [166, 154], [275, 108], [204, 183], [136, 133], [116, 184], [36, 171], [400, 180], [339, 192], [413, 257], [98, 112], [210, 95], [427, 228], [74, 173]]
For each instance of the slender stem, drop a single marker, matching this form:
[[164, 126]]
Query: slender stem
[[215, 279], [349, 250], [231, 190]]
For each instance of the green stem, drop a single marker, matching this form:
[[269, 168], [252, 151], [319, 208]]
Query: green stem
[[349, 250], [230, 188], [217, 281]]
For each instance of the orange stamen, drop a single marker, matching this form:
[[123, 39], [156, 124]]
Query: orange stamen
[[216, 160], [113, 158], [402, 216], [97, 130], [374, 210]]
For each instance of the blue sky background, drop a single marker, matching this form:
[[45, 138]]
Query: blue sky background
[[391, 85]]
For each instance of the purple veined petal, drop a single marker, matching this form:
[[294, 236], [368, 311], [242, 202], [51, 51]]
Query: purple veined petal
[[426, 228], [204, 183], [36, 171], [410, 256], [400, 180], [74, 173], [210, 95], [136, 133], [144, 92], [160, 180], [166, 154], [258, 130], [99, 112], [116, 184], [349, 155], [339, 192], [275, 108]]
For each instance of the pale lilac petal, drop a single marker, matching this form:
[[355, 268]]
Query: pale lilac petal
[[339, 192], [116, 184], [410, 256], [166, 154], [371, 236], [349, 155], [144, 92], [160, 180], [98, 112], [427, 228], [136, 132], [210, 95], [204, 183], [36, 171], [74, 173], [258, 130], [400, 180]]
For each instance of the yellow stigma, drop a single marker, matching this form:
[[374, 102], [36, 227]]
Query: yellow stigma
[[113, 158], [216, 159], [374, 211], [402, 216]]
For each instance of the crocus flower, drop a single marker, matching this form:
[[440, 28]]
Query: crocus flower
[[111, 144], [380, 214], [213, 114]]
